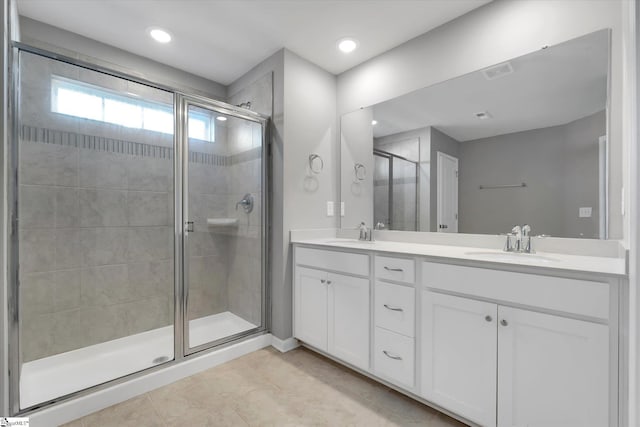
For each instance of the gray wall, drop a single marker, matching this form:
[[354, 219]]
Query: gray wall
[[489, 35], [356, 146], [445, 144], [560, 167]]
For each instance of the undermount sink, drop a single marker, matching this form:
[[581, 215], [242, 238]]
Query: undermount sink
[[513, 256]]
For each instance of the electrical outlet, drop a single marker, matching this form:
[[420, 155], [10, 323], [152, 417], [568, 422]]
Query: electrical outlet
[[584, 212], [330, 209], [341, 208]]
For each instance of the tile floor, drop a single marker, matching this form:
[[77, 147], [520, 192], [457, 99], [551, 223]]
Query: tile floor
[[268, 388]]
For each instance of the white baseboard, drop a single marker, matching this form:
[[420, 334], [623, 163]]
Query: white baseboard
[[87, 404], [284, 345]]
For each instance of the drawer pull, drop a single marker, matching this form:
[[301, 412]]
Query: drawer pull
[[392, 308], [391, 356], [392, 269]]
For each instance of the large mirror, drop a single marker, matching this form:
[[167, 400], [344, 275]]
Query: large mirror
[[524, 141]]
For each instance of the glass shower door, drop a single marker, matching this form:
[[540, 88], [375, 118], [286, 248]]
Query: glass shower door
[[223, 219], [93, 282]]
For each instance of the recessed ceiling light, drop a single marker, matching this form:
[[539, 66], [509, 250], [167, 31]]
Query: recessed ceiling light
[[374, 122], [347, 45], [221, 118], [159, 35], [482, 115]]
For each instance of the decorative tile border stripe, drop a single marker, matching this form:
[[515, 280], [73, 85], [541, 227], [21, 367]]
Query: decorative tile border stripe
[[98, 143]]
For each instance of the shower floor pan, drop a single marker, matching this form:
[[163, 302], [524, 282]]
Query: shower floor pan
[[54, 376]]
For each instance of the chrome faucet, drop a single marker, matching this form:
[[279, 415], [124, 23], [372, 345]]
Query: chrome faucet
[[366, 234], [522, 243]]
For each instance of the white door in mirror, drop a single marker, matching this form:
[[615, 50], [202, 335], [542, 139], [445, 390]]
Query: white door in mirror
[[447, 193]]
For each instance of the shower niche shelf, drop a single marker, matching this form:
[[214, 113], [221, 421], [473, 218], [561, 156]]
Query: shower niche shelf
[[222, 222]]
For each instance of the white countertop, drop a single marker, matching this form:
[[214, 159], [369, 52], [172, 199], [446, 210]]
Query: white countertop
[[546, 260]]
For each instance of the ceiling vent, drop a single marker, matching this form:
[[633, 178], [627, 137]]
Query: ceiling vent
[[497, 71]]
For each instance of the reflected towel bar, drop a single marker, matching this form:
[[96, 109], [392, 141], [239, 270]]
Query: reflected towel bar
[[486, 187]]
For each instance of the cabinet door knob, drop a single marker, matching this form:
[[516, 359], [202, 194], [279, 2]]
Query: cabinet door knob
[[504, 322], [322, 280], [488, 318], [391, 356], [328, 282]]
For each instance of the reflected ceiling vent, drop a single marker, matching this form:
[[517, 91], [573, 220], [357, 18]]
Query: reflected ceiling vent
[[497, 71]]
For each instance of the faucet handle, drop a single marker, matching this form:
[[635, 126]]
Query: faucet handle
[[526, 230], [516, 229]]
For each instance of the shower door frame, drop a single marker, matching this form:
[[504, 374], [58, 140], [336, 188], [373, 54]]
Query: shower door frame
[[180, 94], [182, 104]]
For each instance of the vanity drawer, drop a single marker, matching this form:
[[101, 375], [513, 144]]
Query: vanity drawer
[[398, 269], [581, 297], [351, 263], [394, 357], [395, 308]]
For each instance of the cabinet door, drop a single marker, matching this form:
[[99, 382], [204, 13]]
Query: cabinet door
[[310, 322], [552, 371], [459, 355], [349, 319]]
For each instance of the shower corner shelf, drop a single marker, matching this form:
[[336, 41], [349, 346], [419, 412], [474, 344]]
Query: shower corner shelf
[[222, 222]]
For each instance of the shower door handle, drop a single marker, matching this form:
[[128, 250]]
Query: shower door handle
[[188, 226]]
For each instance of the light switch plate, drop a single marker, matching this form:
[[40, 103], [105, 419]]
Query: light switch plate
[[341, 208], [584, 212], [330, 209]]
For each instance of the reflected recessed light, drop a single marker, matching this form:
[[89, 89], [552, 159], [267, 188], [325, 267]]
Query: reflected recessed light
[[159, 35], [374, 122], [347, 45], [221, 118]]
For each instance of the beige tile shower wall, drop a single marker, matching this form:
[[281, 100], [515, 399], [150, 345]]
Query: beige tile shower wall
[[208, 249], [96, 236]]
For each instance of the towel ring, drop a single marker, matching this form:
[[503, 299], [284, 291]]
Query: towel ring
[[360, 171], [312, 162]]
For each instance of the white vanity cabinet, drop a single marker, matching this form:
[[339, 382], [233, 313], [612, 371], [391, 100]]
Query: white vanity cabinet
[[331, 310], [496, 347], [536, 369]]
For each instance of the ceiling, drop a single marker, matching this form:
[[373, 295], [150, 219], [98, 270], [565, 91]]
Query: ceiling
[[223, 39], [548, 87]]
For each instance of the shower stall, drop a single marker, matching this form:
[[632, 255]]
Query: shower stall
[[139, 226]]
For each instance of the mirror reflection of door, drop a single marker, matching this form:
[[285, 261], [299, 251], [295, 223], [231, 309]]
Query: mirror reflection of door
[[447, 193]]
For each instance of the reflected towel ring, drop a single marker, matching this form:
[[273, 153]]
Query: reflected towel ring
[[360, 171], [312, 162]]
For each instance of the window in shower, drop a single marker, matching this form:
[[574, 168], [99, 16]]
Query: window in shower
[[127, 109]]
